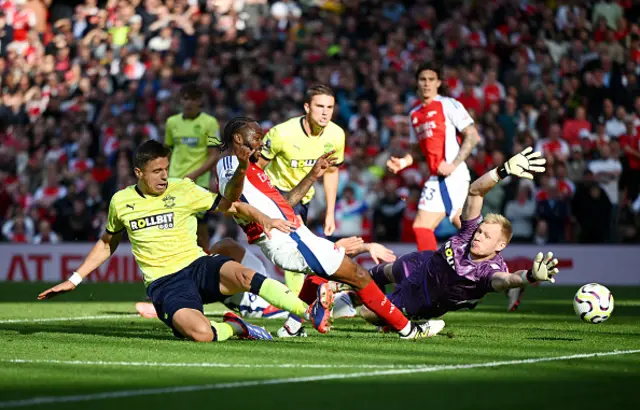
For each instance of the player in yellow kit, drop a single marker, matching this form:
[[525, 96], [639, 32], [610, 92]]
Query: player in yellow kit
[[193, 137], [291, 149], [158, 214]]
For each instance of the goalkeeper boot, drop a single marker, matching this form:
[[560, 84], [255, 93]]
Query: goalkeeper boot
[[249, 331], [424, 330]]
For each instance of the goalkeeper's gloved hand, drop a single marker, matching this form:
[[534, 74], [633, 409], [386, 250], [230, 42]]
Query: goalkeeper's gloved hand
[[543, 270], [522, 165]]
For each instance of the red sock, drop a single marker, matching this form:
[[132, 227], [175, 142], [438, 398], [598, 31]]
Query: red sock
[[426, 239], [309, 289], [375, 300]]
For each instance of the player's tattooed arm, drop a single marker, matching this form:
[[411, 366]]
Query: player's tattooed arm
[[470, 138]]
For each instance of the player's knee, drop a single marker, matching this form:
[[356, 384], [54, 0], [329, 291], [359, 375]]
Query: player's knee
[[244, 276], [200, 333]]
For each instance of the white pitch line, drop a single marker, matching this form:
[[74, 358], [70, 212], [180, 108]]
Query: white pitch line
[[99, 317], [336, 376], [68, 319], [219, 365]]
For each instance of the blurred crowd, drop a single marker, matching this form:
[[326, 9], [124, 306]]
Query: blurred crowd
[[82, 83]]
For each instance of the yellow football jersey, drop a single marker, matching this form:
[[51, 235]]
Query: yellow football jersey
[[190, 140], [162, 229], [293, 152]]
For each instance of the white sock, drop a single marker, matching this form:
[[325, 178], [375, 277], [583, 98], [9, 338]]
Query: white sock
[[293, 324], [407, 329], [251, 261]]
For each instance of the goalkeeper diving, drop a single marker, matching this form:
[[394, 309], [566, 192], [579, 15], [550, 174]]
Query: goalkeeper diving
[[469, 265]]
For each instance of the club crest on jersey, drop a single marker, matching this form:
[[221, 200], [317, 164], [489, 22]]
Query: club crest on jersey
[[162, 221], [449, 255], [169, 201], [302, 163]]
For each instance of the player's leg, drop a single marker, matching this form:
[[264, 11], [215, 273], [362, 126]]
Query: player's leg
[[295, 280], [431, 211], [178, 303], [326, 260], [235, 278], [457, 189]]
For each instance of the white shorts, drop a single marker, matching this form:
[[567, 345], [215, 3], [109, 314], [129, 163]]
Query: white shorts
[[302, 251], [444, 195]]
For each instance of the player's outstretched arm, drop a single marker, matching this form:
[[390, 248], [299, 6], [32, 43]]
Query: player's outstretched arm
[[543, 270], [104, 247], [355, 246], [319, 168], [251, 213], [522, 165]]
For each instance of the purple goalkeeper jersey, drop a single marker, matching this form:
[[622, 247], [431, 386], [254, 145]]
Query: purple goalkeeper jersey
[[433, 283]]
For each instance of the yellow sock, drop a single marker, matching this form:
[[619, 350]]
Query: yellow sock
[[282, 297], [294, 280], [223, 331]]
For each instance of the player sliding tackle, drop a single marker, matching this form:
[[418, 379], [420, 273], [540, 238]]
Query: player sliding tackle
[[159, 214], [469, 265], [300, 250]]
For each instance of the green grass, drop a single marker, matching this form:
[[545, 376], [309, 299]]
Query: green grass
[[545, 327]]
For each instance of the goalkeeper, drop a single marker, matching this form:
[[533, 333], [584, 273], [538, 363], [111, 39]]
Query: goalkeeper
[[469, 265]]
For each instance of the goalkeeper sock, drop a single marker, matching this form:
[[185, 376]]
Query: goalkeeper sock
[[426, 239], [294, 280], [222, 331], [375, 300], [277, 294]]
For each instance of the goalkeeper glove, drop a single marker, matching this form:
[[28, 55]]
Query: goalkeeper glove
[[522, 165], [543, 270]]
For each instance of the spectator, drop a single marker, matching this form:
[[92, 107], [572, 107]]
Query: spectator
[[594, 221], [607, 171], [388, 213], [45, 234], [554, 146], [554, 210], [521, 212], [574, 128], [350, 214], [80, 91]]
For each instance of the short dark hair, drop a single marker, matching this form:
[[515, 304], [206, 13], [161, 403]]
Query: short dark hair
[[430, 67], [148, 151], [234, 125], [191, 91], [317, 89]]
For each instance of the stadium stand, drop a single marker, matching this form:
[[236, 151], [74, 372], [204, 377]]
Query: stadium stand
[[82, 83]]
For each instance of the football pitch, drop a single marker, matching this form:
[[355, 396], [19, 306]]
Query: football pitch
[[89, 349]]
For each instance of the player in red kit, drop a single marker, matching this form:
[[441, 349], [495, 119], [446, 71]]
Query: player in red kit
[[435, 124]]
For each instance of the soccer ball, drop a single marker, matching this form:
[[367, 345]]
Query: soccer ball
[[593, 303]]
